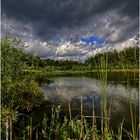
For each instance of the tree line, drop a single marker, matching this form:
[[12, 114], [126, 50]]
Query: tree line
[[127, 58], [21, 94]]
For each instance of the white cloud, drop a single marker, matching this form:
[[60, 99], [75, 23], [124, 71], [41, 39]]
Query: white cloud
[[75, 51], [132, 42], [114, 28]]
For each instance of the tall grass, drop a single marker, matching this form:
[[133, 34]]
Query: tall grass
[[120, 130], [78, 128], [133, 113]]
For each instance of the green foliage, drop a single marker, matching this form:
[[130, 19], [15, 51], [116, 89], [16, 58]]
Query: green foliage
[[19, 93], [120, 129], [73, 129], [128, 58], [16, 92], [11, 58], [23, 94]]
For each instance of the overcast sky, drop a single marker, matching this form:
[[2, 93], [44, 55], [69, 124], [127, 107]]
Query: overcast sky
[[72, 29]]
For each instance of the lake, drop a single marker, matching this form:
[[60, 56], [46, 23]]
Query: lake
[[118, 87]]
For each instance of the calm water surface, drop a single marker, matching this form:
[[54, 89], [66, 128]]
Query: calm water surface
[[119, 88]]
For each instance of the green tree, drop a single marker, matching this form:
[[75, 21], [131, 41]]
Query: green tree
[[15, 86], [11, 58]]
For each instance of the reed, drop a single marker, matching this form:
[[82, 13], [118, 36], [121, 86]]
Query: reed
[[78, 128]]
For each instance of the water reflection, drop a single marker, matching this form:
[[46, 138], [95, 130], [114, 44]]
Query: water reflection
[[64, 88], [92, 91]]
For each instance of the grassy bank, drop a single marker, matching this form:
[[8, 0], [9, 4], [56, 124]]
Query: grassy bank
[[56, 126], [41, 71], [22, 96]]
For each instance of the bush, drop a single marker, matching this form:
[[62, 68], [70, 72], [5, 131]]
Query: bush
[[24, 95]]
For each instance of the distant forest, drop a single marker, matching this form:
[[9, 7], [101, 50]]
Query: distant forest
[[14, 58], [21, 92], [18, 67], [128, 59]]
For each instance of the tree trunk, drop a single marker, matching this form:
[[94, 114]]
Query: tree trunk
[[7, 128], [10, 121], [30, 128], [36, 133]]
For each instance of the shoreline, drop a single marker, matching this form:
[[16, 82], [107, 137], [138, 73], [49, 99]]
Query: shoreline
[[82, 71]]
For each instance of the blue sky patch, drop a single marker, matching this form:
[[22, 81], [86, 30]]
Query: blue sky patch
[[92, 40]]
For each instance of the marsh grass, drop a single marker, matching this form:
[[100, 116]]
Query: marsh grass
[[78, 128]]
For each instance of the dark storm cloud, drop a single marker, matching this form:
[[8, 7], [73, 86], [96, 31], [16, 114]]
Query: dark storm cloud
[[38, 22], [62, 11], [49, 17]]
